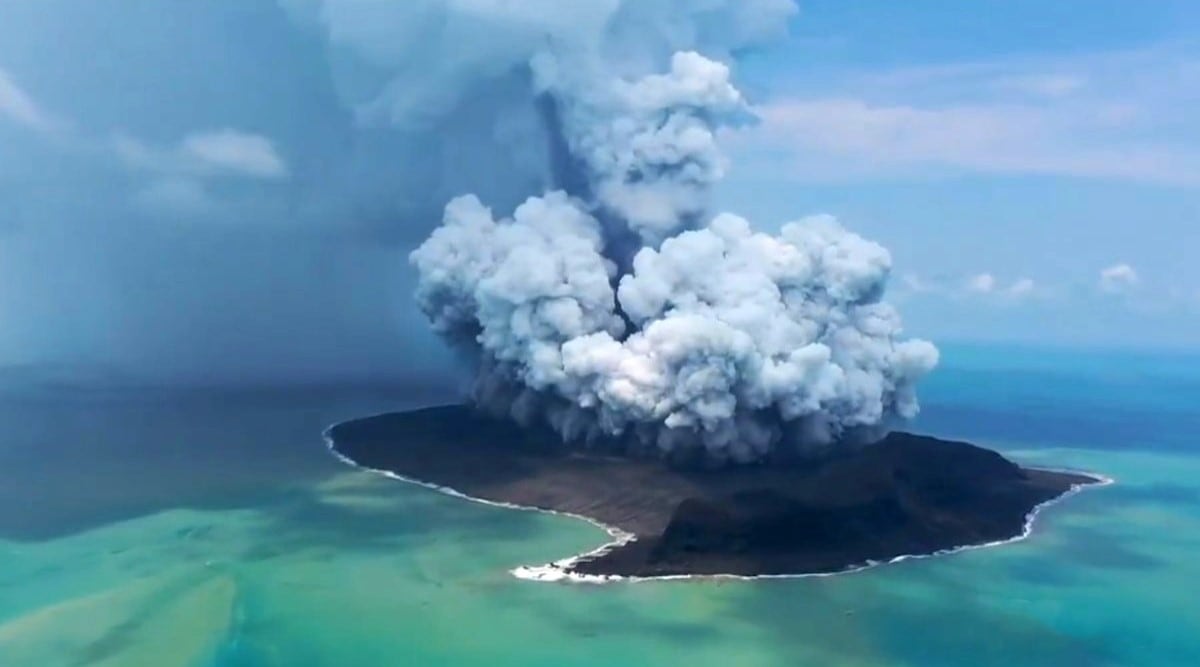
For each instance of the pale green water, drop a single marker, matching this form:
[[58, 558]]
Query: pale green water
[[308, 563]]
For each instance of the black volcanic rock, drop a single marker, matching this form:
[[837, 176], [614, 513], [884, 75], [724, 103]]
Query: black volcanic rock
[[905, 495]]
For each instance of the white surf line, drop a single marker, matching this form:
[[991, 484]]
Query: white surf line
[[619, 537], [560, 570]]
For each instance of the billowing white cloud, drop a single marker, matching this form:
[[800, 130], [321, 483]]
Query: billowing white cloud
[[725, 339], [620, 306], [1118, 278], [17, 106], [649, 143]]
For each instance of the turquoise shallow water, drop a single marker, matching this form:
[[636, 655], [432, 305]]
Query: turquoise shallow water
[[213, 529]]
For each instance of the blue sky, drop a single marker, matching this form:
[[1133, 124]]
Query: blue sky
[[1034, 167], [218, 190]]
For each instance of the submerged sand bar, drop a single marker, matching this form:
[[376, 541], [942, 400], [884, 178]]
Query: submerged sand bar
[[906, 495]]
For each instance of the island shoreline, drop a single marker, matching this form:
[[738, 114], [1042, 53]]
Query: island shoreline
[[560, 570]]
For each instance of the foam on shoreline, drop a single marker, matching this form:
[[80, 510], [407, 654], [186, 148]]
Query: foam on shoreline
[[560, 570]]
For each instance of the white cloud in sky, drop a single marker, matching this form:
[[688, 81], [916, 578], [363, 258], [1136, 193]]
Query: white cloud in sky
[[1021, 287], [914, 283], [180, 175], [1107, 116], [1043, 84], [980, 284], [983, 283], [238, 152], [209, 153], [17, 106], [1118, 278], [863, 137], [137, 154]]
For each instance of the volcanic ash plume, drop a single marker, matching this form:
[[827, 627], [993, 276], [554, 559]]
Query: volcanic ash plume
[[617, 305]]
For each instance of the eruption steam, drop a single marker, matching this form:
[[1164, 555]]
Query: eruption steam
[[616, 304]]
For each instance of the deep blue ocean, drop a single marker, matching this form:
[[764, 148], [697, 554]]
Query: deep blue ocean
[[211, 528]]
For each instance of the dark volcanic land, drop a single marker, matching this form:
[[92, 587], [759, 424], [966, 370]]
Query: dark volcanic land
[[905, 495]]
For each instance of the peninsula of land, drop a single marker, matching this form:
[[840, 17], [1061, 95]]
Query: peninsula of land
[[904, 495]]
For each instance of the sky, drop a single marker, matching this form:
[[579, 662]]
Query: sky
[[217, 192], [1033, 167]]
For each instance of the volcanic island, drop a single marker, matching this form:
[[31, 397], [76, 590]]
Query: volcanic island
[[905, 495]]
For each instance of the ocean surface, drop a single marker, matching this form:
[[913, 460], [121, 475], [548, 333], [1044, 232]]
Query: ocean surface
[[212, 528]]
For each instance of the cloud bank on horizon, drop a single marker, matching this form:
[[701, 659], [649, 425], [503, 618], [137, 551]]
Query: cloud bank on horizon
[[615, 303]]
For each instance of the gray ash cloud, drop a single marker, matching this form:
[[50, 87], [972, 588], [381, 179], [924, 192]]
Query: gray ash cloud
[[614, 302]]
